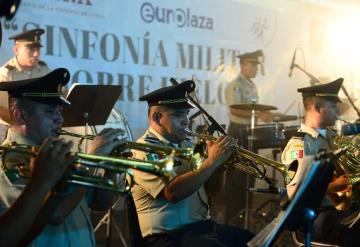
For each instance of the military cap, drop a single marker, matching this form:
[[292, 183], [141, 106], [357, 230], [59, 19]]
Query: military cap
[[328, 90], [31, 37], [46, 89], [175, 96], [252, 57]]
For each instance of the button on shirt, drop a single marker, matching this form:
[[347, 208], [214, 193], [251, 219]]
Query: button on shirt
[[75, 231], [156, 215]]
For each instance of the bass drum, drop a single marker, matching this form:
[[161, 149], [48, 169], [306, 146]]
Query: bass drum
[[115, 120]]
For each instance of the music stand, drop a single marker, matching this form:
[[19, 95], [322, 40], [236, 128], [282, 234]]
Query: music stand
[[90, 104], [300, 211]]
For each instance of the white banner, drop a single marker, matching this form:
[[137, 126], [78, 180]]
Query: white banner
[[141, 44]]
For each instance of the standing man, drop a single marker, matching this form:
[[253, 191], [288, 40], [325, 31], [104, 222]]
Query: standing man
[[177, 213], [242, 90], [315, 134], [34, 106], [26, 63]]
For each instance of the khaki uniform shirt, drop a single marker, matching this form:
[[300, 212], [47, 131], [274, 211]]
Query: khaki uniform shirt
[[11, 71], [77, 228], [240, 91], [156, 215], [306, 144]]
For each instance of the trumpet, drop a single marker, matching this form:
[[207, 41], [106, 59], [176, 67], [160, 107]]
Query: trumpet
[[250, 162], [16, 156], [183, 153]]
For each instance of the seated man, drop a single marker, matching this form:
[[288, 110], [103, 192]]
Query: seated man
[[320, 103], [48, 169], [34, 106], [177, 213]]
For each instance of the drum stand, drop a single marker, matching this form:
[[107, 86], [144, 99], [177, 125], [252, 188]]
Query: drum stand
[[247, 177]]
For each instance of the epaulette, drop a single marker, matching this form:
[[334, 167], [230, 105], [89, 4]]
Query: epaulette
[[9, 67], [299, 135], [42, 63], [152, 140]]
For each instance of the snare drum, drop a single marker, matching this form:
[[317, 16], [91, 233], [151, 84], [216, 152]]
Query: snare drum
[[268, 135]]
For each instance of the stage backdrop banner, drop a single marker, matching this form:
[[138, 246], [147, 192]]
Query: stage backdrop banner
[[141, 44]]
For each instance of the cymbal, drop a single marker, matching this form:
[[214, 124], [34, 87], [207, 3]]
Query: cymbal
[[256, 107], [279, 117]]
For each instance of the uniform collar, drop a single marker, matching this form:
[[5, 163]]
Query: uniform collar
[[242, 77], [19, 68], [162, 139], [13, 136], [308, 130]]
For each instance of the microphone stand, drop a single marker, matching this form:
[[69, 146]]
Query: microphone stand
[[214, 124], [314, 80]]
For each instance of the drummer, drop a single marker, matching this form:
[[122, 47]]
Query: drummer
[[230, 199], [242, 90]]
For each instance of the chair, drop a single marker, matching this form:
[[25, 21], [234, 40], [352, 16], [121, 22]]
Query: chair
[[134, 227], [299, 242]]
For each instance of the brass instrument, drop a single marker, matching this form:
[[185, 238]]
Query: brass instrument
[[250, 162], [15, 157], [183, 153], [348, 164]]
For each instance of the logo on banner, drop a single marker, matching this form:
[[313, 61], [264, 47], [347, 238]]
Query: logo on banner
[[180, 17], [83, 2]]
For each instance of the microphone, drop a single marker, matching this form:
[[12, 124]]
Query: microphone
[[292, 65], [271, 190]]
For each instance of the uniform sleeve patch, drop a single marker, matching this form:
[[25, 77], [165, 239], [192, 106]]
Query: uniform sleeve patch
[[295, 154]]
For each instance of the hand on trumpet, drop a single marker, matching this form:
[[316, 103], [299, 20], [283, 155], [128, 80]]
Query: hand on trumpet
[[220, 150], [53, 159], [106, 141]]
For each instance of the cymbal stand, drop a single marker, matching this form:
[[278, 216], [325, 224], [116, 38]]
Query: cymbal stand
[[247, 177]]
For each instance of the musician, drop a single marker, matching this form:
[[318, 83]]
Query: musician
[[48, 169], [320, 103], [177, 213], [241, 90], [26, 63], [34, 106]]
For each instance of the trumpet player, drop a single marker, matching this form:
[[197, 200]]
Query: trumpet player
[[34, 108], [177, 213], [315, 134]]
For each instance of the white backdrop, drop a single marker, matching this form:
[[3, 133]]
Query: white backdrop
[[141, 44]]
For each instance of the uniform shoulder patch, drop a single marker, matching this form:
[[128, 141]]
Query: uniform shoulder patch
[[152, 140], [297, 150], [42, 63], [9, 67], [299, 135]]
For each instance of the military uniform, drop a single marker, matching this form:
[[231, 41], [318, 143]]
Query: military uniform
[[239, 91], [308, 142], [77, 228], [186, 222], [11, 71], [156, 215]]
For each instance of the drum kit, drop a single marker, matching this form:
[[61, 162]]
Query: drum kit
[[270, 135]]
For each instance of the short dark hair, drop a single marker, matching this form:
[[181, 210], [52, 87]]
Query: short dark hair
[[21, 103]]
